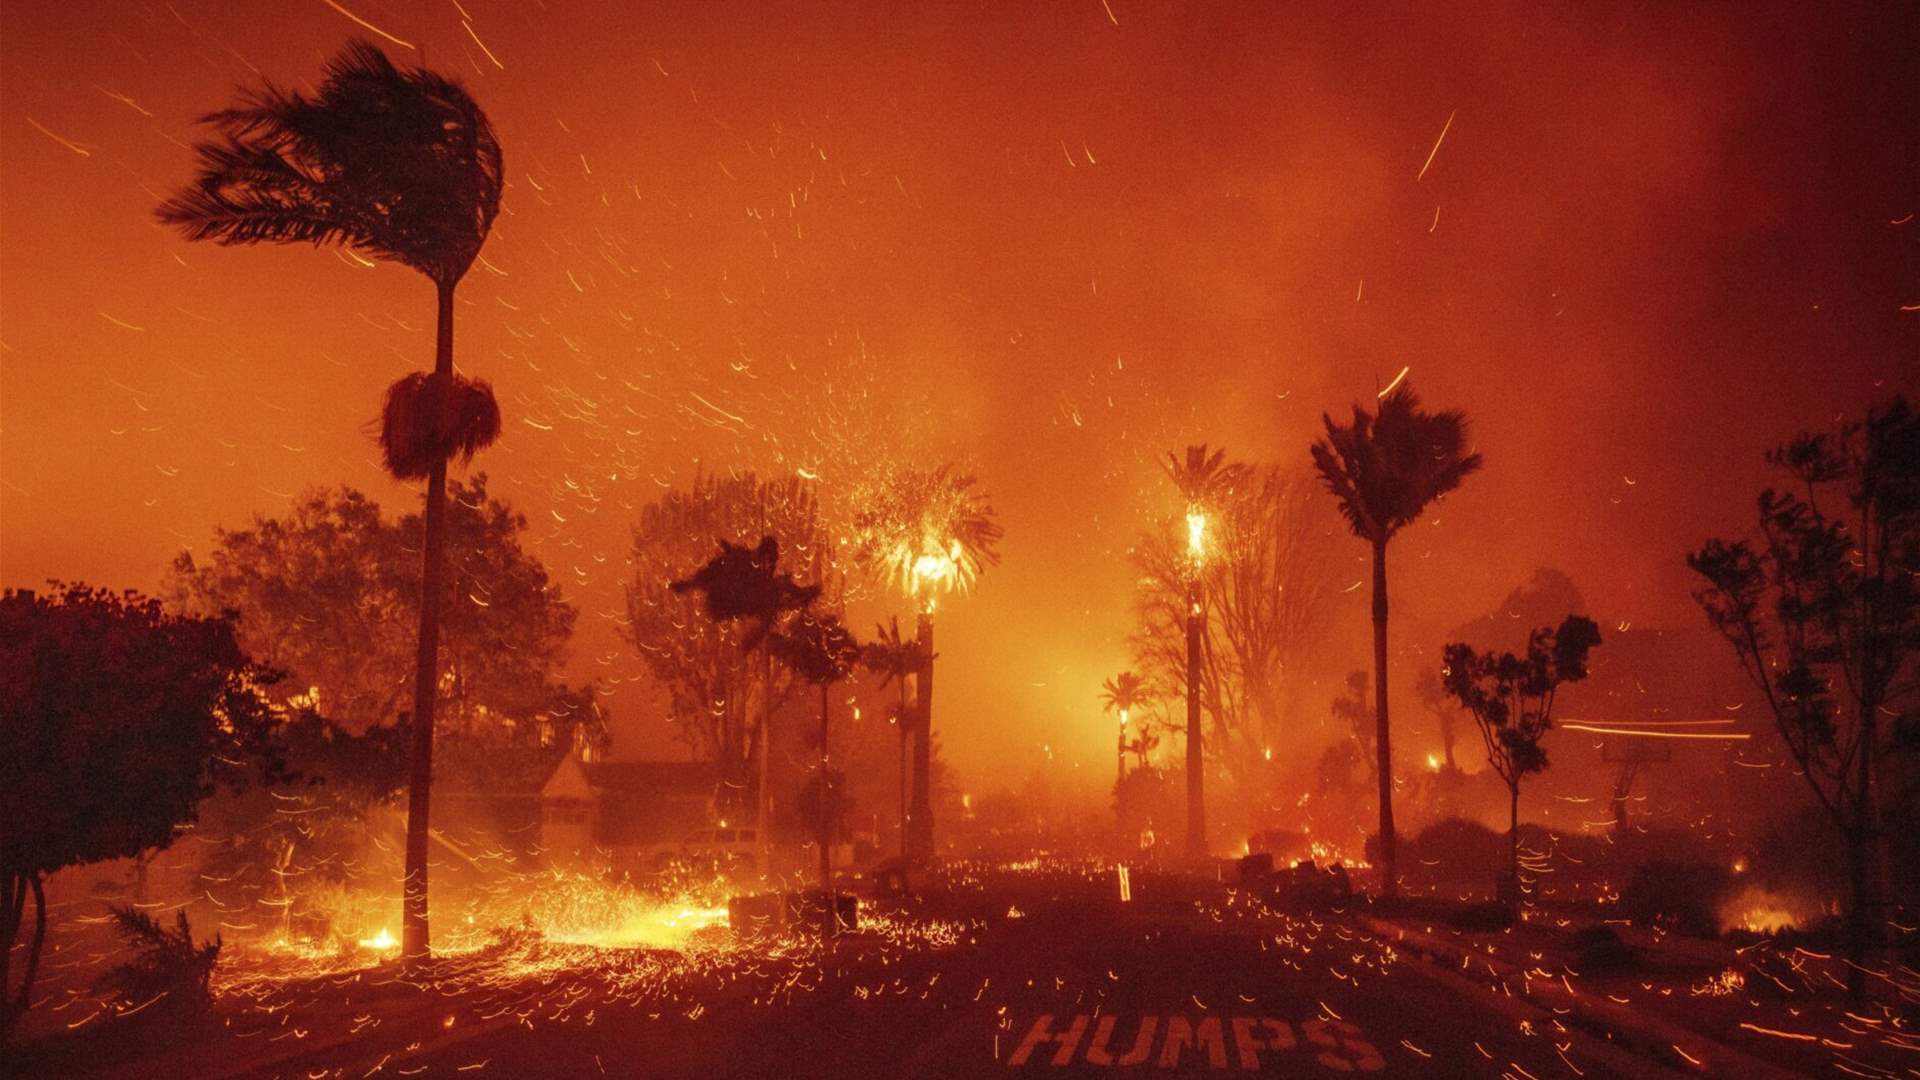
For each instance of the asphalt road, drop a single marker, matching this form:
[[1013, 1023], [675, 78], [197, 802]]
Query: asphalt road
[[1055, 977]]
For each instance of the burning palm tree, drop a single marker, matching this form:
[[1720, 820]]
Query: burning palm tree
[[1204, 481], [1385, 469], [403, 165], [1122, 694], [927, 532]]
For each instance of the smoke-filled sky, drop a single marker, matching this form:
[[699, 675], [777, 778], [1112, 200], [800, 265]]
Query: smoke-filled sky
[[1053, 241]]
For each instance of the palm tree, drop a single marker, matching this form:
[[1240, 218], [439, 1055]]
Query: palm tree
[[403, 165], [820, 649], [1122, 694], [1204, 480], [894, 658], [929, 532], [1385, 469], [747, 583]]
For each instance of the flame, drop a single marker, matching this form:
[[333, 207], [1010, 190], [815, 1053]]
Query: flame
[[380, 942], [1196, 534], [1763, 911], [944, 568], [1433, 762]]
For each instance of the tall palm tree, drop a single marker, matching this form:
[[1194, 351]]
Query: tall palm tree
[[928, 531], [1122, 694], [1204, 480], [1385, 469], [403, 165]]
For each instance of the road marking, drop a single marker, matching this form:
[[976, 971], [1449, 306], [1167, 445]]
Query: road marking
[[1334, 1043]]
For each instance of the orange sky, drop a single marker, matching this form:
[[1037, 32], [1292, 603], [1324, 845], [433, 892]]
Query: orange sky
[[1046, 240]]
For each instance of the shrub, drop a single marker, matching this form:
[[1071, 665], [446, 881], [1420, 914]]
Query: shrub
[[169, 967], [1681, 896], [1455, 855]]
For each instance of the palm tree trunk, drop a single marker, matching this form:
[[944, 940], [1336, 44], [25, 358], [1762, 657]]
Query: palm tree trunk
[[1513, 840], [1389, 880], [763, 788], [414, 937], [1196, 796], [826, 819], [920, 816], [906, 738]]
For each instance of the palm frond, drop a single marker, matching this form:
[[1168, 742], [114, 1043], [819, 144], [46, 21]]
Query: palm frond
[[430, 419], [1385, 468], [399, 163], [1202, 478]]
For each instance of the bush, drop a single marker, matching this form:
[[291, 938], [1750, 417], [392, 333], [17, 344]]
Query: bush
[[1684, 897], [169, 967], [1456, 855]]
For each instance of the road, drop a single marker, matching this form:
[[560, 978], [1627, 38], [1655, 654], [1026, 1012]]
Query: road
[[1052, 975]]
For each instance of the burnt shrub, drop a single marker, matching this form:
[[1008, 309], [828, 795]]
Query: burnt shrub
[[168, 970], [1681, 896]]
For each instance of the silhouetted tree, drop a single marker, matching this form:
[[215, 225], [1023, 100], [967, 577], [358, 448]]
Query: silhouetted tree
[[747, 585], [1824, 615], [1385, 470], [706, 664], [926, 531], [403, 165], [1511, 698], [118, 719]]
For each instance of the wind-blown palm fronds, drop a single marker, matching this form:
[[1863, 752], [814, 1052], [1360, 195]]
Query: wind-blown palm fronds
[[398, 163], [1385, 469]]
